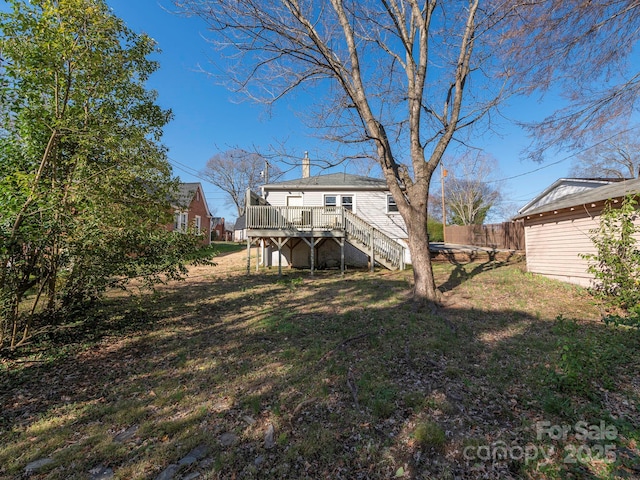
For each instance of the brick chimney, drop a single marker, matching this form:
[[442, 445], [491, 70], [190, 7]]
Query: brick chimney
[[306, 166]]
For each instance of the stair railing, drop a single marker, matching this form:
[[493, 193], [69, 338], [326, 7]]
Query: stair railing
[[371, 238]]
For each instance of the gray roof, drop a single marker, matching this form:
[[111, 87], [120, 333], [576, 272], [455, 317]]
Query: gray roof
[[186, 191], [606, 192], [185, 194], [555, 191], [241, 223], [331, 180]]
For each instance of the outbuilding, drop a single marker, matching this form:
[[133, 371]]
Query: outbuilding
[[558, 233]]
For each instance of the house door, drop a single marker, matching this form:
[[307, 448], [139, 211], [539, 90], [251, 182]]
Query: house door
[[294, 201], [294, 215]]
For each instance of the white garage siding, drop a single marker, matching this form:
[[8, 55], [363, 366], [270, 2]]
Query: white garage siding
[[555, 243]]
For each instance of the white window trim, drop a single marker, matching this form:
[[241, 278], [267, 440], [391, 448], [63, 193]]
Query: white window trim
[[198, 223], [391, 200], [339, 197], [327, 195], [181, 221], [353, 202]]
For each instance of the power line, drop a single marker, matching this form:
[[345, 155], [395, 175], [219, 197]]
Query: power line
[[535, 170], [187, 169], [565, 158]]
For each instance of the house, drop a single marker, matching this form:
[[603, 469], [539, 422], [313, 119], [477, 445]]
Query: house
[[327, 221], [191, 210], [240, 229], [558, 233], [218, 231]]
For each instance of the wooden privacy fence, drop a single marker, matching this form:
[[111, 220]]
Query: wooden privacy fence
[[507, 235]]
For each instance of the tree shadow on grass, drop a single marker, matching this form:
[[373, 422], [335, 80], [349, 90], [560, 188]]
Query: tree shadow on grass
[[461, 273], [343, 370]]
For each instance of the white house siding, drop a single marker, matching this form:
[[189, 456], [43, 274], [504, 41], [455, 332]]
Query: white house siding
[[239, 235], [371, 206], [368, 204]]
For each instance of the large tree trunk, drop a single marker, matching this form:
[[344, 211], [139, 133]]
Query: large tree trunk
[[424, 284], [415, 217], [411, 200]]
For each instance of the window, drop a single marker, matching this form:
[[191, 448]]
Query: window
[[330, 201], [392, 207], [198, 223], [180, 221], [347, 202]]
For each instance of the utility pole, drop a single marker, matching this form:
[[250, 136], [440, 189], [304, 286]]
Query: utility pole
[[443, 173]]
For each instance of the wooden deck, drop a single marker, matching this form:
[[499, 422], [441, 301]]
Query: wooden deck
[[313, 224]]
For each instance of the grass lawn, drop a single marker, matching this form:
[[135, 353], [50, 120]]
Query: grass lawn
[[330, 377]]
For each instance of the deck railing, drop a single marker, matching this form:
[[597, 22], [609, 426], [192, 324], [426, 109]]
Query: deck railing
[[299, 218], [369, 238]]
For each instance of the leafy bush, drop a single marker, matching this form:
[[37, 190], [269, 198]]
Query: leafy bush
[[85, 184], [616, 265]]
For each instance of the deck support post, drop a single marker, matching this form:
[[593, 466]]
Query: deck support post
[[311, 243], [248, 255], [340, 241], [263, 251], [280, 243], [313, 254], [279, 259], [258, 256]]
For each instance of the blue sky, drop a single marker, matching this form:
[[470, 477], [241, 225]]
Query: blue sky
[[208, 119]]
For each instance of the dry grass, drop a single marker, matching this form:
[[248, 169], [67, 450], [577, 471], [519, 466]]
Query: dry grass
[[354, 379]]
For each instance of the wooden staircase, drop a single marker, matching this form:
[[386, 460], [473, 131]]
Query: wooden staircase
[[377, 245]]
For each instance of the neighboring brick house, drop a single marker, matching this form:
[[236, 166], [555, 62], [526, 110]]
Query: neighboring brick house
[[191, 210], [218, 231]]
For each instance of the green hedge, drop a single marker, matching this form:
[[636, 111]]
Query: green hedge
[[434, 228]]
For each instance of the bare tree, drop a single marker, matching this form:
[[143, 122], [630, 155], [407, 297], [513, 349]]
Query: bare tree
[[616, 154], [395, 74], [468, 195], [234, 171], [584, 48]]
